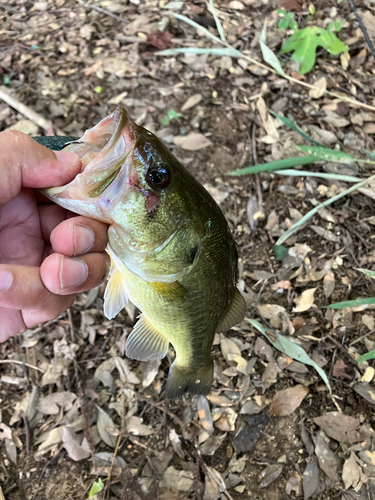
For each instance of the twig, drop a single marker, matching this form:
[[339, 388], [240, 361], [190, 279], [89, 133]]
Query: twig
[[112, 463], [102, 11], [16, 362], [29, 113], [70, 316], [28, 433], [363, 29], [371, 332]]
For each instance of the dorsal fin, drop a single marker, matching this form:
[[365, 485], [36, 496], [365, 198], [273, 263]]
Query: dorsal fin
[[235, 314]]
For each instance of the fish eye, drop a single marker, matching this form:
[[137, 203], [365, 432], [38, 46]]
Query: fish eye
[[158, 176]]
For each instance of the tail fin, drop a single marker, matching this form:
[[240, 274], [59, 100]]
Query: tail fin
[[182, 380]]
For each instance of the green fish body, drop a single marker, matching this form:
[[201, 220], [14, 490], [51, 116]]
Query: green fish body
[[172, 253]]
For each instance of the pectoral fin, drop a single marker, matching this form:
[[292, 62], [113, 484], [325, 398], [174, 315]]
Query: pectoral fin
[[116, 294], [235, 314], [145, 343]]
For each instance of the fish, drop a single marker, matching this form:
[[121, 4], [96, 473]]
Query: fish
[[171, 250]]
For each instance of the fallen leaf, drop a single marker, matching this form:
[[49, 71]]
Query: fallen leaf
[[288, 400], [339, 370], [177, 480], [134, 426], [320, 86], [267, 121], [204, 414], [352, 473], [160, 39], [76, 447], [305, 301], [329, 284], [106, 426], [25, 126], [326, 457], [192, 142], [338, 426], [311, 478], [249, 434], [270, 474], [236, 5], [191, 102]]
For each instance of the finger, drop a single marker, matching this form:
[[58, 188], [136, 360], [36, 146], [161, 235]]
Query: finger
[[65, 275], [50, 216], [24, 162], [21, 288], [79, 235]]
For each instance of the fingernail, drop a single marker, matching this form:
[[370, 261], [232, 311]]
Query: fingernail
[[83, 239], [68, 157], [73, 272], [6, 279]]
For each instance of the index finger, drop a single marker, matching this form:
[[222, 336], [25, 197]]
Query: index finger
[[25, 163]]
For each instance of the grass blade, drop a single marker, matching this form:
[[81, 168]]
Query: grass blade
[[327, 154], [293, 126], [217, 21], [370, 153], [366, 357], [291, 349], [366, 271], [268, 55], [215, 51], [197, 26], [323, 175], [275, 165], [312, 212], [369, 301]]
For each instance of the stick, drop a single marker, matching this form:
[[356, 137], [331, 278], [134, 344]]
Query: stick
[[29, 113]]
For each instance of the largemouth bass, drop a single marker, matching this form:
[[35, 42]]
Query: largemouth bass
[[172, 253]]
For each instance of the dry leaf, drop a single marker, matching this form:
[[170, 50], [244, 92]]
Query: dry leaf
[[329, 284], [305, 301], [311, 478], [106, 428], [288, 400], [191, 102], [326, 457], [268, 122], [192, 142], [320, 86], [204, 414], [351, 472], [340, 427]]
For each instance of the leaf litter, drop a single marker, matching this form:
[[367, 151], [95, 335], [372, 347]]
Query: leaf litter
[[89, 396]]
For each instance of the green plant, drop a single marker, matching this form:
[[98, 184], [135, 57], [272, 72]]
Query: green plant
[[303, 43], [287, 20], [171, 115]]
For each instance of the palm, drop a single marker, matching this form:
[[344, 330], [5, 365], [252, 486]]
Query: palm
[[21, 239]]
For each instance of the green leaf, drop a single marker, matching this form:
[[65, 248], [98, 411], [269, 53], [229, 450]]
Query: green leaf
[[283, 23], [291, 349], [281, 12], [327, 154], [303, 43], [293, 126], [293, 25], [268, 55], [171, 115], [279, 251], [322, 175], [217, 21], [366, 271], [96, 488], [370, 153], [353, 303], [366, 357], [275, 165], [334, 26]]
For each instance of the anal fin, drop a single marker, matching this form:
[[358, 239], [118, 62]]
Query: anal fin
[[235, 314], [145, 343]]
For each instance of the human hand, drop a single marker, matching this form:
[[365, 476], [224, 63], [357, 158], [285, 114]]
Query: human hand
[[47, 255]]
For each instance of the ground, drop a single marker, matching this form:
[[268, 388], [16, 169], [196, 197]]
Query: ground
[[79, 410]]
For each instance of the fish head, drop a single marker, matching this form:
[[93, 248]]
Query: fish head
[[131, 181]]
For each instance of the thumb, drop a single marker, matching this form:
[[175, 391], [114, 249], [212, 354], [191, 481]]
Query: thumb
[[25, 163]]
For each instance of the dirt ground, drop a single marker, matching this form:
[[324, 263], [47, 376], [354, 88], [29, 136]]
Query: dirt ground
[[79, 410]]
